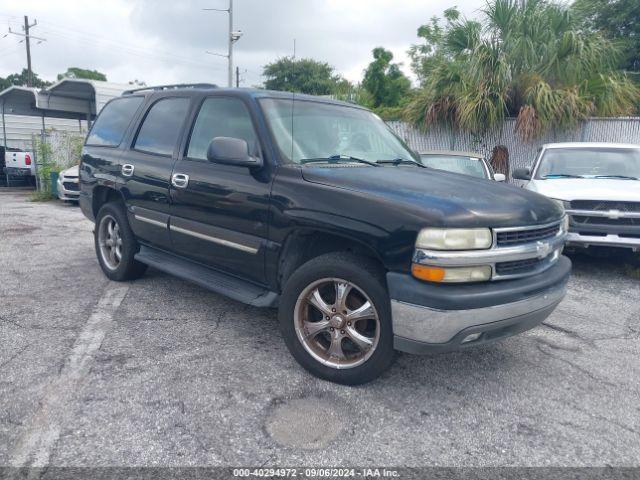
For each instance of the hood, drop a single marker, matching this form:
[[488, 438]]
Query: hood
[[588, 189], [70, 172], [441, 198]]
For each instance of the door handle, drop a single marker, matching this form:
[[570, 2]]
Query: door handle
[[180, 180], [127, 170]]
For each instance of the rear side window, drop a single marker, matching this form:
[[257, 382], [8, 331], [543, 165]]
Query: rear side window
[[111, 125], [161, 127], [220, 117]]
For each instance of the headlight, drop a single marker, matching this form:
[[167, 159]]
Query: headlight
[[454, 238]]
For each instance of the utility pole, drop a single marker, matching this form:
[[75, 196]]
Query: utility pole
[[237, 77], [27, 40], [234, 36]]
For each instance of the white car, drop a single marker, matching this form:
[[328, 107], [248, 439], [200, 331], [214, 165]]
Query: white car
[[466, 163], [68, 185], [599, 186]]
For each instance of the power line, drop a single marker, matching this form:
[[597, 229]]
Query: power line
[[128, 49]]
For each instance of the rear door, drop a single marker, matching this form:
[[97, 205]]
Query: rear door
[[219, 216], [146, 169]]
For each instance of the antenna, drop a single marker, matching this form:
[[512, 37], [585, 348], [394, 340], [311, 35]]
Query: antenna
[[293, 98]]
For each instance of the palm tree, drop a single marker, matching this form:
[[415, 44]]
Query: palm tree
[[525, 58]]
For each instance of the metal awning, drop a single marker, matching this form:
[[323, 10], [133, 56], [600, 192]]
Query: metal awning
[[69, 98]]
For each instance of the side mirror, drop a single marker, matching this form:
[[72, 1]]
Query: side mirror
[[522, 174], [499, 177], [231, 151]]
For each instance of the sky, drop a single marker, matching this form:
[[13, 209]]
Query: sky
[[166, 41]]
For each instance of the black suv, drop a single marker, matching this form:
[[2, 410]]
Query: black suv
[[315, 207]]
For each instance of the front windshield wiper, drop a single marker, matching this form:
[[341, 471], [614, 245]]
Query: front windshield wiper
[[623, 177], [338, 159], [401, 161], [562, 175]]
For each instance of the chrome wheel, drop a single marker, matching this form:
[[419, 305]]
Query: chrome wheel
[[337, 323], [110, 242]]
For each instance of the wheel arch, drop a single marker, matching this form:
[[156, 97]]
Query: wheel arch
[[103, 194], [302, 245]]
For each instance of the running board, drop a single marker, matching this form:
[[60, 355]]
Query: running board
[[208, 278]]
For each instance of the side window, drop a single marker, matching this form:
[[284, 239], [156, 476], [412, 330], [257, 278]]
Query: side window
[[220, 117], [111, 125], [161, 126]]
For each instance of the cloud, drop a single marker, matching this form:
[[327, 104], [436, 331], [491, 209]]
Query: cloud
[[165, 41]]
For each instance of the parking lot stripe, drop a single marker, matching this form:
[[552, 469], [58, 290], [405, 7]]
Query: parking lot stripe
[[43, 429]]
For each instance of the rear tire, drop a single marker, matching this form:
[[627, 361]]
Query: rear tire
[[116, 244], [345, 336]]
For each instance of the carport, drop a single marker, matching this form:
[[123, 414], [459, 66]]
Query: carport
[[71, 99]]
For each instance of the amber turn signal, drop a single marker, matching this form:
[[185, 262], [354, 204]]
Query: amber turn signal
[[429, 274]]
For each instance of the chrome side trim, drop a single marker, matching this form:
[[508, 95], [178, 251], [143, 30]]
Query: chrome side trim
[[613, 214], [150, 221], [429, 325], [219, 241]]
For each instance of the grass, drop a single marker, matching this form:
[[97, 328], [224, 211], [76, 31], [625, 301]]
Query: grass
[[41, 196]]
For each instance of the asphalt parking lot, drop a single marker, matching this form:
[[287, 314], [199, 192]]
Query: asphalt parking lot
[[160, 372]]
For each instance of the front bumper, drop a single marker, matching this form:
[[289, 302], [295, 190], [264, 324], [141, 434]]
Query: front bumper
[[18, 172], [65, 193], [576, 239], [434, 318]]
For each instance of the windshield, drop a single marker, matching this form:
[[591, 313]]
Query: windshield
[[589, 163], [305, 130], [456, 163]]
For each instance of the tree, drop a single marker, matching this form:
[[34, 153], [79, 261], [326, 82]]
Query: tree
[[616, 20], [384, 80], [525, 58], [75, 72], [304, 76], [20, 80]]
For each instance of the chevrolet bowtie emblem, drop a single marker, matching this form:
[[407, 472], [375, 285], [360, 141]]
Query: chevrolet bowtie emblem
[[542, 249], [614, 214]]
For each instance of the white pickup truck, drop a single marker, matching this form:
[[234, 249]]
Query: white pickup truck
[[18, 163], [599, 186]]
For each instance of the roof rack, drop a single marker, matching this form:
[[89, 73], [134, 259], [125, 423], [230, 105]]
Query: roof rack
[[158, 88]]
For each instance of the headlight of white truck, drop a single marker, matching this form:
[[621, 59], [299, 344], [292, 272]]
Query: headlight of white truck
[[454, 238]]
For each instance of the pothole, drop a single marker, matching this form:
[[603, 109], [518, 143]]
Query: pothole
[[307, 423]]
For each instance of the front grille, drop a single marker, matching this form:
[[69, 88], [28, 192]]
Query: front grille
[[605, 206], [584, 220], [519, 237], [518, 267], [71, 186]]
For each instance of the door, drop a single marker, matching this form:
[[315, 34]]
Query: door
[[146, 169], [219, 212]]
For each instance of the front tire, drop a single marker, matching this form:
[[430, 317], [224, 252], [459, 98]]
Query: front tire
[[335, 317], [116, 244]]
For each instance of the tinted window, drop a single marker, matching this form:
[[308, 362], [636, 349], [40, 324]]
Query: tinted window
[[220, 117], [161, 127], [113, 121]]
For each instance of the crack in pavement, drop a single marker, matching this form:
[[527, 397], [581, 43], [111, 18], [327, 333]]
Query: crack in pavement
[[36, 444], [573, 365]]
